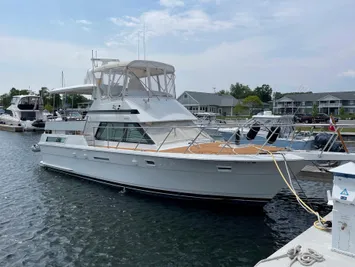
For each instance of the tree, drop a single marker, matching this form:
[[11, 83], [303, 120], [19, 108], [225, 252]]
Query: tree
[[240, 109], [48, 107], [342, 111], [252, 102], [43, 92], [223, 92], [240, 91], [264, 92], [315, 110], [278, 95], [14, 91], [72, 101], [5, 100]]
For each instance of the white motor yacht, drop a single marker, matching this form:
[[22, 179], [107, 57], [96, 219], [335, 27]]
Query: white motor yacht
[[138, 136], [25, 111], [261, 126]]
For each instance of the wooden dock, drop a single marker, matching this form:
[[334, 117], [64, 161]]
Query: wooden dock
[[11, 128]]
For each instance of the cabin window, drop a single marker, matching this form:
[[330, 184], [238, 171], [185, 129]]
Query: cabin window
[[28, 115], [28, 103], [123, 132], [55, 139]]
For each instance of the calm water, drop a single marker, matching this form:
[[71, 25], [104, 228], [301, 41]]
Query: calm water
[[51, 219]]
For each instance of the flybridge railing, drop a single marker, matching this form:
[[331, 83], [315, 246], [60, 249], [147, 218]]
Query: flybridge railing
[[183, 137]]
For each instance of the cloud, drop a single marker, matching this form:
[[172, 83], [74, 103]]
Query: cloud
[[167, 22], [87, 29], [348, 73], [171, 3], [41, 62], [249, 61], [127, 21], [83, 22]]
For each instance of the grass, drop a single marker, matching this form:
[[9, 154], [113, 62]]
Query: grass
[[240, 117], [325, 129]]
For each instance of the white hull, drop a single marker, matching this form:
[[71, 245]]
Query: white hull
[[9, 120], [195, 178]]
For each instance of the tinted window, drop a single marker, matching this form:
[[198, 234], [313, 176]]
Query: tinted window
[[122, 132], [55, 139]]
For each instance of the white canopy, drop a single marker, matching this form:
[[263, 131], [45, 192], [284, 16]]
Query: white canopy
[[139, 67], [85, 89]]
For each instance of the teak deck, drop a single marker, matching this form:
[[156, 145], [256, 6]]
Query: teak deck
[[213, 148]]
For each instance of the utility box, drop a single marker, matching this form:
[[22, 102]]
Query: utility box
[[343, 196]]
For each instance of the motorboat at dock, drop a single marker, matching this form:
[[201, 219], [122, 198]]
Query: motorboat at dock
[[25, 111], [137, 135]]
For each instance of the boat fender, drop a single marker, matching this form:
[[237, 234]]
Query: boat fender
[[253, 131], [237, 138], [36, 148], [273, 134]]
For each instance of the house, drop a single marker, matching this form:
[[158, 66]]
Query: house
[[326, 102], [208, 102]]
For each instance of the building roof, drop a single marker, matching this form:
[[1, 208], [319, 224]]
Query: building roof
[[213, 99], [347, 95]]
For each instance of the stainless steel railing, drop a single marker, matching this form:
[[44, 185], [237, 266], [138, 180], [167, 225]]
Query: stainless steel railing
[[303, 132]]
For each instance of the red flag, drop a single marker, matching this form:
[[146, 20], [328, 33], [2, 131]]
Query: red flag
[[331, 125]]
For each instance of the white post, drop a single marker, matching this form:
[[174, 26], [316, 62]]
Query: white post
[[124, 82], [165, 81], [109, 83], [149, 82]]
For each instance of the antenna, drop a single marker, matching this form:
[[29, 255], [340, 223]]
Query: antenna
[[144, 39], [138, 37]]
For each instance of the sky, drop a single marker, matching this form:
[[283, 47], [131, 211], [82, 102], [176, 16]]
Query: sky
[[292, 45]]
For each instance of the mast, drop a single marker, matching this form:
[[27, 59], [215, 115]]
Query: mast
[[65, 95]]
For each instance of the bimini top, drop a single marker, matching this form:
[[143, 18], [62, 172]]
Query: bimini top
[[85, 89], [139, 67]]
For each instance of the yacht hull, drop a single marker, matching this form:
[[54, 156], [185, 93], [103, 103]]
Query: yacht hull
[[27, 125], [233, 181]]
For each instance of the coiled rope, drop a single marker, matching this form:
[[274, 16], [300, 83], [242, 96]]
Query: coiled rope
[[306, 258]]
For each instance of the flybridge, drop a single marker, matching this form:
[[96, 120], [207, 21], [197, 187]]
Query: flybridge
[[135, 78], [112, 79]]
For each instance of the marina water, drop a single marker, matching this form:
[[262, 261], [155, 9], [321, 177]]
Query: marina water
[[52, 219]]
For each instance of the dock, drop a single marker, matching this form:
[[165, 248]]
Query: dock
[[313, 238], [312, 173], [11, 128]]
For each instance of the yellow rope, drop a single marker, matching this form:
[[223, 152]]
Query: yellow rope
[[309, 209]]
